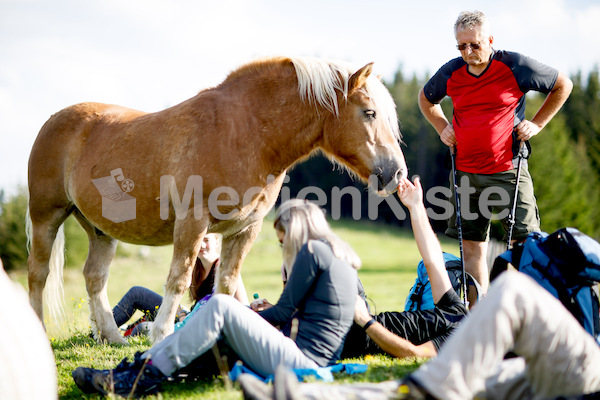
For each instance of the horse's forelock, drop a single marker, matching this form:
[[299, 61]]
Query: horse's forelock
[[318, 81]]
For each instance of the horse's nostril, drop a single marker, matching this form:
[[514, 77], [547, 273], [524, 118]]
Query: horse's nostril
[[381, 181], [400, 174]]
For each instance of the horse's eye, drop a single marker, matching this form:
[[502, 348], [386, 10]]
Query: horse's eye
[[370, 114]]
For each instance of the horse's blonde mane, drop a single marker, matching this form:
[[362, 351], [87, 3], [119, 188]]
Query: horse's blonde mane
[[318, 81]]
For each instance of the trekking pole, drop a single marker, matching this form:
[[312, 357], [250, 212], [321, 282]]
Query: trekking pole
[[511, 218], [459, 224]]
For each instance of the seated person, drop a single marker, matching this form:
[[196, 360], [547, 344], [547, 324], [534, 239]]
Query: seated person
[[320, 295], [148, 301]]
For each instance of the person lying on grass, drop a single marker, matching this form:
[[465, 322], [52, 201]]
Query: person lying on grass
[[320, 295], [418, 333]]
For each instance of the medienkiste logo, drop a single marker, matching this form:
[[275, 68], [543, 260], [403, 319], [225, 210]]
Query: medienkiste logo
[[117, 204]]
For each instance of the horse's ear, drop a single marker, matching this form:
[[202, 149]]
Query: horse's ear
[[359, 78]]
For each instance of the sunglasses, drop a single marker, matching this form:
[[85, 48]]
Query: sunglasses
[[473, 46]]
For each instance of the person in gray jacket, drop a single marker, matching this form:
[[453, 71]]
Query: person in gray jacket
[[320, 294]]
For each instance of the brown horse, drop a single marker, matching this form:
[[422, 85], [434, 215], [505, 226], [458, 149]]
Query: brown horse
[[120, 172]]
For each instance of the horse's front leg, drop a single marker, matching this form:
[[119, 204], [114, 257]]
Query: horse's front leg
[[188, 235], [234, 250]]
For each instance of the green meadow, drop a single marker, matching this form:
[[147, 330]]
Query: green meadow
[[389, 257]]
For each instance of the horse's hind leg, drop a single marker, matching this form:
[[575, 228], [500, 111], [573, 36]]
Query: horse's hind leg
[[101, 252], [42, 232]]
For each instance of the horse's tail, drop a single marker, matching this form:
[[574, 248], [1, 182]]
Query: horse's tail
[[53, 291]]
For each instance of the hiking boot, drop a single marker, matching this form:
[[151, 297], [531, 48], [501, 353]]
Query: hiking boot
[[410, 389], [254, 389], [137, 379], [83, 378], [83, 375]]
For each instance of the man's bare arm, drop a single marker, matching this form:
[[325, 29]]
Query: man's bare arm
[[397, 346], [386, 340], [554, 101], [435, 115]]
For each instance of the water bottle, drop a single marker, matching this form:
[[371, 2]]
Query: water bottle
[[257, 300]]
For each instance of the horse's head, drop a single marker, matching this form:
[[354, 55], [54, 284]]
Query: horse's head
[[364, 135]]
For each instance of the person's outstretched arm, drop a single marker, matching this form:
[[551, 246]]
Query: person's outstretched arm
[[411, 196]]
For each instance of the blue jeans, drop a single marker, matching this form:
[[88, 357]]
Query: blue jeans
[[137, 298]]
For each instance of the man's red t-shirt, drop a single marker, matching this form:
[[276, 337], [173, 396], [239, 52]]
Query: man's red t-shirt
[[487, 107]]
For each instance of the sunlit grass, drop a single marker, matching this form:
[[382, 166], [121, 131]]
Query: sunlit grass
[[389, 257], [81, 350]]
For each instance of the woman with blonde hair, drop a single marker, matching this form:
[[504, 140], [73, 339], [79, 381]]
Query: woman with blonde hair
[[298, 222], [320, 294]]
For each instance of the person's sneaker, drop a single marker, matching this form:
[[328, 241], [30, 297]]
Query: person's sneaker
[[410, 389]]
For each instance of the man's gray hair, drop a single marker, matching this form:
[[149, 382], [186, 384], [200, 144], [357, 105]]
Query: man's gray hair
[[470, 19]]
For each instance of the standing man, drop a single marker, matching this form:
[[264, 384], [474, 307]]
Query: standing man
[[488, 88]]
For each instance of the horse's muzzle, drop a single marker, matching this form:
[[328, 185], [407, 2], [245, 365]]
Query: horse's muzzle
[[389, 175]]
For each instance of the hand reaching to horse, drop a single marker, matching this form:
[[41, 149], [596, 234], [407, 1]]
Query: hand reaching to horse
[[410, 194]]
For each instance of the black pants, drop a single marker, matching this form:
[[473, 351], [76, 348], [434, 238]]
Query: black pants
[[417, 327]]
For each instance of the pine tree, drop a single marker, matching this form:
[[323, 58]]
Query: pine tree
[[561, 172]]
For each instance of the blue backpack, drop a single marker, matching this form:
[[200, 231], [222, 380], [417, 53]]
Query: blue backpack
[[420, 297], [567, 264]]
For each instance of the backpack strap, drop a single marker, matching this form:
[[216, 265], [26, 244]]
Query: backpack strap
[[416, 298], [501, 262]]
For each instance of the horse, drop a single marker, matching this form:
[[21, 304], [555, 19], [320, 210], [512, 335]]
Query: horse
[[120, 171]]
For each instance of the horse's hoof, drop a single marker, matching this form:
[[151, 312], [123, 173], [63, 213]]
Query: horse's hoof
[[157, 335], [115, 339]]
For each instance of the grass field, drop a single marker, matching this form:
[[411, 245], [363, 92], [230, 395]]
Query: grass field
[[389, 257]]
